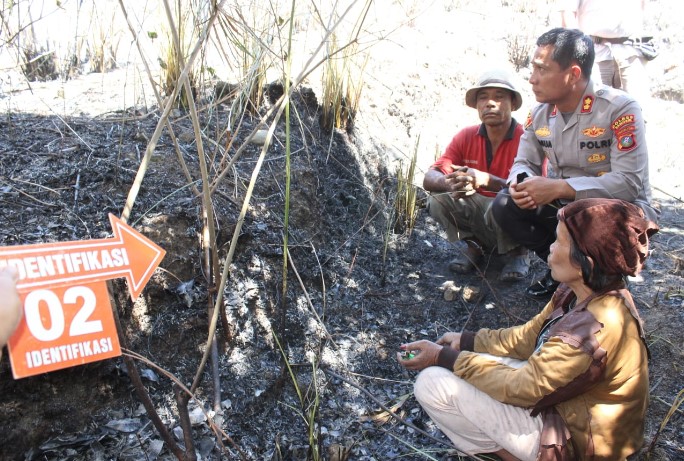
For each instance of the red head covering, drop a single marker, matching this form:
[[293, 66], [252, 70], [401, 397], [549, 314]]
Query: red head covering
[[613, 233]]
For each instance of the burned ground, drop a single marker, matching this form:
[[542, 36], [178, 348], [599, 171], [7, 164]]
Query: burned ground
[[355, 291]]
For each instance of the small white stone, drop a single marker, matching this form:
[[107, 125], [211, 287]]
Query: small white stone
[[259, 137], [197, 416]]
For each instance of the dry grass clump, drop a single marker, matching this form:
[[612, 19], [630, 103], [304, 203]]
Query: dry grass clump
[[55, 39], [405, 211], [245, 37], [520, 49], [38, 64], [103, 40], [342, 82], [180, 34]]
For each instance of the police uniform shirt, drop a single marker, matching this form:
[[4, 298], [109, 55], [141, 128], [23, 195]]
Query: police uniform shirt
[[600, 150]]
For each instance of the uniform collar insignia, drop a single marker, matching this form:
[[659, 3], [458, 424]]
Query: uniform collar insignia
[[528, 120], [587, 103]]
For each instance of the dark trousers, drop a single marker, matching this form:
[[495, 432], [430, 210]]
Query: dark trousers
[[533, 229]]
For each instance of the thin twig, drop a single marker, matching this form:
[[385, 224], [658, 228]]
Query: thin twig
[[668, 194], [77, 187], [49, 189], [308, 300], [32, 197], [83, 141], [320, 268], [209, 231]]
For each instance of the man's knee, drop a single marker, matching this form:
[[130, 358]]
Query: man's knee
[[502, 207], [436, 207]]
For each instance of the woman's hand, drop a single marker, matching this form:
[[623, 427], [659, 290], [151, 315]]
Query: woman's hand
[[450, 339], [426, 352]]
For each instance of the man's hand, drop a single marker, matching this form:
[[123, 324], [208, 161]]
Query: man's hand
[[426, 352], [465, 181], [459, 183], [537, 191], [475, 178]]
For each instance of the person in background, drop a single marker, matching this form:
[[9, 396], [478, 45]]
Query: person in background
[[614, 26], [571, 383], [465, 179], [10, 305], [592, 137]]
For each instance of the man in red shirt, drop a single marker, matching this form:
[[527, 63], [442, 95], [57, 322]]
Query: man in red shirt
[[473, 168]]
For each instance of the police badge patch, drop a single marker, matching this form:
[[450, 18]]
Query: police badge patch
[[624, 127], [626, 142]]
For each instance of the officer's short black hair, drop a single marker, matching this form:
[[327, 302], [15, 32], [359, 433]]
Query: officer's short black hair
[[570, 46]]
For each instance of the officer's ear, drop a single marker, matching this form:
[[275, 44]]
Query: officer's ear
[[575, 73]]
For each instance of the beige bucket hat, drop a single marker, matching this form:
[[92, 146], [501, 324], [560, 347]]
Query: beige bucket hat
[[494, 78]]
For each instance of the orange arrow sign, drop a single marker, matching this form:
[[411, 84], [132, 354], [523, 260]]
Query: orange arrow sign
[[129, 254]]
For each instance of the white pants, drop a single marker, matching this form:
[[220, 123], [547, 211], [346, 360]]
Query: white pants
[[473, 421], [625, 70]]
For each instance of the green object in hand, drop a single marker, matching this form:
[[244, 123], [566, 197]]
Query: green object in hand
[[408, 355]]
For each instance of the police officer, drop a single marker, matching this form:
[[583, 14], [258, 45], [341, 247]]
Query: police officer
[[614, 26], [584, 140]]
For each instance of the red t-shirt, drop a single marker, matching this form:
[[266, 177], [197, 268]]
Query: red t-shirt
[[470, 147]]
